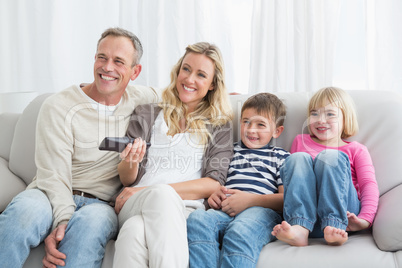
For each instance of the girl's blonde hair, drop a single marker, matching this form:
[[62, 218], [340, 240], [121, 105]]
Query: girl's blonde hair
[[214, 109], [339, 98]]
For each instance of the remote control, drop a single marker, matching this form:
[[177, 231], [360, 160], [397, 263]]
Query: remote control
[[116, 144]]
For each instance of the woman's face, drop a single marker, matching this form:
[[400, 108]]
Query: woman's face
[[195, 79]]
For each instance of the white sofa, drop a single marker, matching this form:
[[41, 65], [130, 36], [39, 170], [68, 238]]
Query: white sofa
[[380, 115]]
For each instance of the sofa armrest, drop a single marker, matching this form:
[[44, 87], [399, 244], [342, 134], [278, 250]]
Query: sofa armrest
[[387, 226], [7, 127]]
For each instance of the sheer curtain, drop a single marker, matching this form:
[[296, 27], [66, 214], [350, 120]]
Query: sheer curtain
[[267, 45], [48, 45], [384, 39], [293, 45], [167, 27], [305, 45]]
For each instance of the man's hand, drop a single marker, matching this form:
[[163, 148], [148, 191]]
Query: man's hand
[[124, 196], [355, 223], [215, 200], [54, 257], [236, 202]]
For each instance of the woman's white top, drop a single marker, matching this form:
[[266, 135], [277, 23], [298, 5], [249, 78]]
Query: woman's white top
[[173, 159]]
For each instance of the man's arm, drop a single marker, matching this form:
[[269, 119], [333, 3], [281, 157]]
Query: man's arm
[[53, 158], [53, 149]]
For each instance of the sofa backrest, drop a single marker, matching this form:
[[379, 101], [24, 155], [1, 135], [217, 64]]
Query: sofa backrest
[[378, 114], [7, 122], [22, 153]]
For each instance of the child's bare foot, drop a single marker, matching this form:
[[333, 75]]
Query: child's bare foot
[[294, 235], [335, 236]]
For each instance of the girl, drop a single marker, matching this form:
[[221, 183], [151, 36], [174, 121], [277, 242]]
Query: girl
[[329, 183], [188, 160]]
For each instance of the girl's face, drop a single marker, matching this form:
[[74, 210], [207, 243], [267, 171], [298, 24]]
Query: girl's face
[[326, 125], [195, 79]]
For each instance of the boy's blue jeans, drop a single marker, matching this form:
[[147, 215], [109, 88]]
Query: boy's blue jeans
[[27, 221], [318, 192], [241, 237]]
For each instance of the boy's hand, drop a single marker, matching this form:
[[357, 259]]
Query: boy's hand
[[355, 223], [215, 200], [236, 202]]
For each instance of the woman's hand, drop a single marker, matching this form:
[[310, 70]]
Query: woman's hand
[[134, 153], [124, 196], [131, 156], [355, 223]]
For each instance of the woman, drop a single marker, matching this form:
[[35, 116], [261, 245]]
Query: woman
[[191, 139]]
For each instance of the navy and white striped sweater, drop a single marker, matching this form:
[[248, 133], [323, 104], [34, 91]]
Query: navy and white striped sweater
[[256, 170]]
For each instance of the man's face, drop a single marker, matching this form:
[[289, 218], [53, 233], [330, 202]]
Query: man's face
[[113, 68]]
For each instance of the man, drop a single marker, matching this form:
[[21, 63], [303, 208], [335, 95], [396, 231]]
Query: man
[[69, 195]]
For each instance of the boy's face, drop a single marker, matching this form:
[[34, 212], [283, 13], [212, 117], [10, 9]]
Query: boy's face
[[256, 130]]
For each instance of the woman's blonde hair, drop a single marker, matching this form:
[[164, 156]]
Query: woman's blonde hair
[[214, 109], [339, 98]]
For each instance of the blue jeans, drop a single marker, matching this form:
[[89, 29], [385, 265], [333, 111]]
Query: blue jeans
[[217, 240], [318, 192], [27, 221]]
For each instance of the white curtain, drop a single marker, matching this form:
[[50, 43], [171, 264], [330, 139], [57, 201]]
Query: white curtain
[[384, 39], [293, 44], [267, 45], [48, 45]]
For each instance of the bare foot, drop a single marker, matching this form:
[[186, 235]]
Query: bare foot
[[335, 236], [294, 235]]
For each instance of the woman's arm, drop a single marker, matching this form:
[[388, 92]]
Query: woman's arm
[[219, 153], [196, 189], [131, 157]]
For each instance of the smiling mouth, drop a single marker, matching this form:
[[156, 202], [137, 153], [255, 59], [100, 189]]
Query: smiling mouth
[[107, 78], [188, 89], [322, 128], [252, 138]]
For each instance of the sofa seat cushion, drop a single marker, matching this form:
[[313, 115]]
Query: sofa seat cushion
[[34, 259], [359, 251]]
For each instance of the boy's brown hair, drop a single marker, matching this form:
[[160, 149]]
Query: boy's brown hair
[[268, 105]]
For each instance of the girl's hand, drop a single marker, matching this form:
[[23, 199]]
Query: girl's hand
[[215, 200], [355, 223], [134, 153], [236, 202]]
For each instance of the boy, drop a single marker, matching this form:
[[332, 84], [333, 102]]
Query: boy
[[244, 212]]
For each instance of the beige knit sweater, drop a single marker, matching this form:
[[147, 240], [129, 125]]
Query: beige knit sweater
[[69, 131]]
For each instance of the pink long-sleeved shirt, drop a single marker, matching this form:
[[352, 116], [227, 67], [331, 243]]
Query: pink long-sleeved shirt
[[362, 170]]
